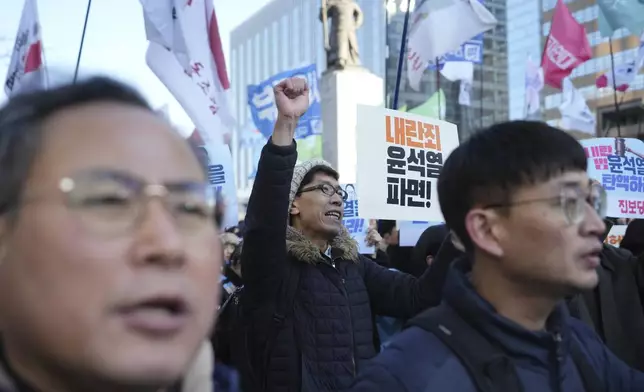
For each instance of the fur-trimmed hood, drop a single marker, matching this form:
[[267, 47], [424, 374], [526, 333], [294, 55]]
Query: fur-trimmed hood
[[300, 247]]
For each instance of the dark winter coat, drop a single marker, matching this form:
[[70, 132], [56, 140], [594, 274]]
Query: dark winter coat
[[615, 308], [330, 332], [417, 361]]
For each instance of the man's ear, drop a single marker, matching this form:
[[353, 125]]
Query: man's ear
[[295, 209], [482, 227]]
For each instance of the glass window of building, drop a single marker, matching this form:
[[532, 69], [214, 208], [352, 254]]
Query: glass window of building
[[274, 53], [295, 17], [285, 44]]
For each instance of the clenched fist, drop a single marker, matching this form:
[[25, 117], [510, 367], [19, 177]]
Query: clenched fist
[[292, 98], [292, 101]]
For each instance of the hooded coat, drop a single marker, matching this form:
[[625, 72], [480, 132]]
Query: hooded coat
[[329, 333]]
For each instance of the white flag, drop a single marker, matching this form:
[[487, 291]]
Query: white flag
[[441, 26], [26, 71], [575, 114], [534, 83], [204, 87], [463, 71], [162, 26]]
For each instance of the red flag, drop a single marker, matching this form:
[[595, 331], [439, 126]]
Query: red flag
[[566, 47]]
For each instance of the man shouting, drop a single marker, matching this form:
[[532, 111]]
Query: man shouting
[[309, 296]]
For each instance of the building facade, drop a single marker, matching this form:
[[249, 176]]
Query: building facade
[[489, 95], [601, 101], [283, 35], [524, 33]]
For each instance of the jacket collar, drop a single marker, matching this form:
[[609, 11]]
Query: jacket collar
[[517, 341], [342, 247]]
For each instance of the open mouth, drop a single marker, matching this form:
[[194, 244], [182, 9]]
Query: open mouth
[[334, 214], [157, 315]]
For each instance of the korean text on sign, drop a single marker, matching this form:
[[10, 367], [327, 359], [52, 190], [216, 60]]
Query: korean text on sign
[[400, 156], [618, 164], [414, 160], [355, 225]]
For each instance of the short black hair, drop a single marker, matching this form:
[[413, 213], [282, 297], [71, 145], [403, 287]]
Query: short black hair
[[490, 166], [308, 177], [21, 131]]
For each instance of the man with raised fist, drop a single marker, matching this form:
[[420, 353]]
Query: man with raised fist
[[309, 295]]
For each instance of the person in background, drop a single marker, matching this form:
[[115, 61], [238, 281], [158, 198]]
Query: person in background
[[633, 240], [518, 198], [318, 338], [428, 245], [229, 242], [399, 256], [108, 247]]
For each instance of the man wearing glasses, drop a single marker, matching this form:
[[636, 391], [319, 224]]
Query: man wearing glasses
[[309, 295], [519, 200], [109, 251]]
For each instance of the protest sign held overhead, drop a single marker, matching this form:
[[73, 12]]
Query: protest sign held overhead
[[618, 163], [357, 226], [400, 156]]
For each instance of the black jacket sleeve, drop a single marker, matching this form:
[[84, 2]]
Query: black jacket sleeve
[[396, 294], [264, 250]]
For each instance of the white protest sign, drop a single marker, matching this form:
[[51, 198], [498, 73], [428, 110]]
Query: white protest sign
[[409, 231], [220, 176], [618, 163], [357, 226], [400, 156], [616, 235]]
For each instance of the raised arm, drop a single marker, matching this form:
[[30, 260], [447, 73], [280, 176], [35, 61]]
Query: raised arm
[[264, 252]]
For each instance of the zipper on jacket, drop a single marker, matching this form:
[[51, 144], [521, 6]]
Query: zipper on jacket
[[353, 345], [558, 358]]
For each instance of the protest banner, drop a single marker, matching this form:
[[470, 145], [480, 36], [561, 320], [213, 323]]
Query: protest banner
[[308, 133], [357, 226], [409, 231], [400, 156], [618, 163], [220, 176], [616, 235]]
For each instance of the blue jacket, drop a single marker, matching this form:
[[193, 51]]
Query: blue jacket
[[417, 361]]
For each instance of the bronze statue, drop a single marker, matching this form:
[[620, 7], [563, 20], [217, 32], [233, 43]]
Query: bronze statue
[[341, 42]]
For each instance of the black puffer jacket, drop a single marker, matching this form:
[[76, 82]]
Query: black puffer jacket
[[330, 332]]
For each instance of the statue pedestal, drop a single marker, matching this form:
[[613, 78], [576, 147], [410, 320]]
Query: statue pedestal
[[340, 92]]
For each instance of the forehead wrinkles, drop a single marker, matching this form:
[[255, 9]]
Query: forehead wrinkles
[[117, 136]]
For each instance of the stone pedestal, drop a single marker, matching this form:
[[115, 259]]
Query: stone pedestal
[[341, 91]]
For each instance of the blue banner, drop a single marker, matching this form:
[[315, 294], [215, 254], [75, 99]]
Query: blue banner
[[264, 112]]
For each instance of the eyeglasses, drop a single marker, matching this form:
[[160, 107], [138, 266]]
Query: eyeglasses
[[327, 189], [111, 202], [572, 200]]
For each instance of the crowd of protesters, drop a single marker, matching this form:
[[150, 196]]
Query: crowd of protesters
[[116, 276]]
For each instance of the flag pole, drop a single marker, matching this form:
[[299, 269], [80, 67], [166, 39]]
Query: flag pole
[[438, 87], [481, 91], [612, 68], [80, 50], [401, 57]]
